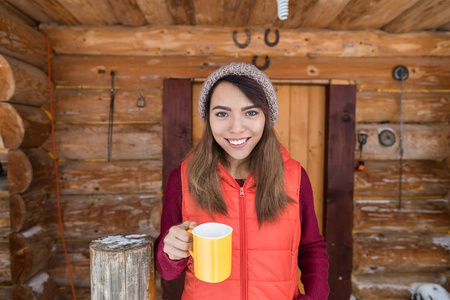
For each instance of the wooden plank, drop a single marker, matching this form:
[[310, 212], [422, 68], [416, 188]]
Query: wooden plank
[[65, 293], [316, 147], [107, 215], [46, 11], [22, 41], [115, 177], [323, 13], [237, 13], [417, 107], [92, 106], [91, 12], [31, 9], [445, 27], [5, 265], [155, 11], [177, 122], [22, 83], [338, 186], [400, 252], [182, 11], [16, 13], [371, 74], [298, 10], [282, 127], [128, 13], [392, 285], [361, 14], [422, 16], [425, 215], [26, 209], [299, 124], [420, 141], [263, 13], [207, 14], [419, 179], [197, 123], [86, 141], [218, 41]]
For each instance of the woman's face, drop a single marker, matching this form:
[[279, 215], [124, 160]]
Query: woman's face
[[236, 123]]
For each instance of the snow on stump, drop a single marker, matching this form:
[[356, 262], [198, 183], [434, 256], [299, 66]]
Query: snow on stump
[[122, 268]]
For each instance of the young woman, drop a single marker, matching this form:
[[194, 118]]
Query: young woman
[[240, 175]]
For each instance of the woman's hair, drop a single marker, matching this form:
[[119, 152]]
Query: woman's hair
[[265, 162]]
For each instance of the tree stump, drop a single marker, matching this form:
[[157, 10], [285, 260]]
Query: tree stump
[[122, 268]]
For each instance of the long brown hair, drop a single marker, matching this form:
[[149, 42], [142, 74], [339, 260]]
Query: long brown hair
[[265, 162]]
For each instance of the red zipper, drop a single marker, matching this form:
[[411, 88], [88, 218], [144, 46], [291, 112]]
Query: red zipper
[[243, 245]]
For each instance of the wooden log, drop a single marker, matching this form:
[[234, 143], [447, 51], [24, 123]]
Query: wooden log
[[86, 106], [420, 141], [370, 74], [5, 263], [400, 252], [22, 41], [5, 228], [30, 251], [218, 41], [418, 107], [107, 214], [92, 13], [420, 179], [38, 287], [23, 126], [30, 170], [86, 141], [115, 177], [415, 214], [27, 209], [17, 14], [391, 285], [22, 83], [122, 266], [65, 293]]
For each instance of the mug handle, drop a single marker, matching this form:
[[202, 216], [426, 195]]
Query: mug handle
[[191, 251]]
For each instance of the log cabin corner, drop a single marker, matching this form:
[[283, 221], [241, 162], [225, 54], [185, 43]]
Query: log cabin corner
[[333, 64]]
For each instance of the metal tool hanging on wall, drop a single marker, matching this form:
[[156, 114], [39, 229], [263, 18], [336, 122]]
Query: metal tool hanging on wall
[[362, 140], [111, 116], [401, 73]]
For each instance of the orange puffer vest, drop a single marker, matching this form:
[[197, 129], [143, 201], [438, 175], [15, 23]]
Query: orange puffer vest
[[264, 259]]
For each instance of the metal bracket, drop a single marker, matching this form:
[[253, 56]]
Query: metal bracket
[[400, 73], [266, 38], [247, 42], [265, 66]]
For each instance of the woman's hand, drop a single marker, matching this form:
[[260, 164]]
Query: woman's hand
[[178, 241]]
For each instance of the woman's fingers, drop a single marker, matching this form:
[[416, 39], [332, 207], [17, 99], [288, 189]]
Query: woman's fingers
[[178, 241]]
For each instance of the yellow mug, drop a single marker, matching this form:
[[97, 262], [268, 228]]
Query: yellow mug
[[212, 251]]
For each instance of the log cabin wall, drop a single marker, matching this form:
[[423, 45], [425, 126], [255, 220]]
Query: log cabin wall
[[393, 248]]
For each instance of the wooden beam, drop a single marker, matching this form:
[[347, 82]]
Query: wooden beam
[[263, 14], [45, 11], [30, 251], [420, 141], [27, 209], [128, 13], [22, 83], [218, 41], [18, 14], [89, 141], [323, 13], [207, 14], [361, 14], [108, 215], [91, 12], [371, 74], [422, 16], [182, 11], [155, 11], [237, 13], [420, 179], [39, 287], [23, 126], [298, 10]]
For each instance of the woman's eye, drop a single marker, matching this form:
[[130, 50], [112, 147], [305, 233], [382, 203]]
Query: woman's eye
[[251, 113], [221, 114]]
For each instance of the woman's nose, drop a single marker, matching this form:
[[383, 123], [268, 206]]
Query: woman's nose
[[236, 125]]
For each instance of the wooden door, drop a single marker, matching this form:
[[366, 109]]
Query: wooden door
[[300, 129]]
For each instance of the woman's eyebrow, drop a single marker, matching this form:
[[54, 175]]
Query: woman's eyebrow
[[249, 107], [222, 107]]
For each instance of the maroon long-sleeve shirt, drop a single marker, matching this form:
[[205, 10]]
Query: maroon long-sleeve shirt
[[312, 257]]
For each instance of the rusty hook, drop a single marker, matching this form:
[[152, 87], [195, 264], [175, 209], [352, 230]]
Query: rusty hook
[[265, 66], [266, 39], [247, 42]]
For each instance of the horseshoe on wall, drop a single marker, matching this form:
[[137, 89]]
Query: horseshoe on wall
[[265, 66], [247, 42], [266, 39]]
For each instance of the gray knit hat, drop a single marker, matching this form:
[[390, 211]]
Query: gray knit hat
[[242, 69]]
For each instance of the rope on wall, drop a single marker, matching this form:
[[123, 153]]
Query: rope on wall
[[55, 161]]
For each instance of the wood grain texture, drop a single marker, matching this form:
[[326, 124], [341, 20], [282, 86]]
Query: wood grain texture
[[237, 13], [417, 107], [128, 13], [218, 41], [46, 11], [90, 141], [91, 12], [182, 11], [5, 227], [26, 209], [384, 215], [115, 177], [298, 10], [208, 14], [107, 215], [11, 11], [263, 13], [30, 251], [323, 13], [420, 179], [5, 263], [39, 287], [155, 11], [21, 41], [86, 106], [370, 74]]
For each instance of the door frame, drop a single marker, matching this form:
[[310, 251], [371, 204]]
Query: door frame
[[338, 173]]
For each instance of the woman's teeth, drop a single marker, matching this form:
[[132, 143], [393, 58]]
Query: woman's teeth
[[237, 142]]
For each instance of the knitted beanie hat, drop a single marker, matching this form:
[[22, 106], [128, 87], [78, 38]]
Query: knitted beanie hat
[[242, 69]]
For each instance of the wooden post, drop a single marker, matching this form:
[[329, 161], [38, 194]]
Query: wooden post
[[122, 268]]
